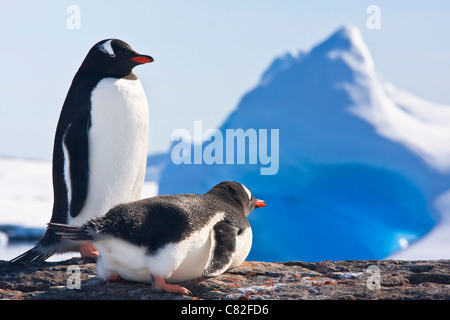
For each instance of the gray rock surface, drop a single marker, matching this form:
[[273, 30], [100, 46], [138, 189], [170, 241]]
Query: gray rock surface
[[328, 280]]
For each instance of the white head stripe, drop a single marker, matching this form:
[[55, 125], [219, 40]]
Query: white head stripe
[[248, 192], [106, 47]]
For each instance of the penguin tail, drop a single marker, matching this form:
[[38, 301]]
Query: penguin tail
[[35, 253], [83, 233], [43, 249]]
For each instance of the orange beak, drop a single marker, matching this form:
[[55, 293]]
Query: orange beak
[[142, 59], [260, 203]]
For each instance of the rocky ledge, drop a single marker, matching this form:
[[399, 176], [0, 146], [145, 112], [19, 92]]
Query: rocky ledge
[[328, 280]]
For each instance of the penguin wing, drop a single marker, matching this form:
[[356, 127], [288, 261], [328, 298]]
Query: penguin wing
[[76, 154], [222, 249]]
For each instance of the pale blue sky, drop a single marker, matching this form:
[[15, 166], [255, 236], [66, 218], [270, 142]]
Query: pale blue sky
[[208, 54]]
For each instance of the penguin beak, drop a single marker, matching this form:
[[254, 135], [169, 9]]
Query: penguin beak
[[142, 59], [260, 203]]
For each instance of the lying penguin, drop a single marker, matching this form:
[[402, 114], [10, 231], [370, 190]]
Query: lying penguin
[[171, 237]]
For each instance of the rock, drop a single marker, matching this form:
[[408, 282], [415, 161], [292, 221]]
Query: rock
[[293, 280]]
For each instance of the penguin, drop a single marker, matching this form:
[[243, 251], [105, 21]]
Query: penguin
[[171, 238], [100, 145]]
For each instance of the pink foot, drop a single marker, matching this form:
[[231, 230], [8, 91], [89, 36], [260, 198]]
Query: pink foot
[[87, 250], [116, 278], [159, 283]]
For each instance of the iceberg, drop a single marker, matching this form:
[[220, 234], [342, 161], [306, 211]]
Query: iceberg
[[362, 164]]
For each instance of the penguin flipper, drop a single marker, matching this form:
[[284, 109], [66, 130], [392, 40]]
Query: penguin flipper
[[76, 146], [223, 247]]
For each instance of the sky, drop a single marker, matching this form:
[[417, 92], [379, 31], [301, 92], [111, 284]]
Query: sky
[[208, 54]]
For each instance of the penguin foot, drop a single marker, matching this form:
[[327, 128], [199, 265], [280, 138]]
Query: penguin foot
[[117, 279], [114, 278], [87, 250], [159, 283]]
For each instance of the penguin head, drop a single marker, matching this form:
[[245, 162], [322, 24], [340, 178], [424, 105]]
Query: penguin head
[[113, 57], [238, 195]]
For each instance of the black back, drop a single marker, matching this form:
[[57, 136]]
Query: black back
[[156, 221]]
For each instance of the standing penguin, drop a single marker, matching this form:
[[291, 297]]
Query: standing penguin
[[171, 237], [100, 146]]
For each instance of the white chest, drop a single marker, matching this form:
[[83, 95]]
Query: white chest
[[118, 140], [119, 111]]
